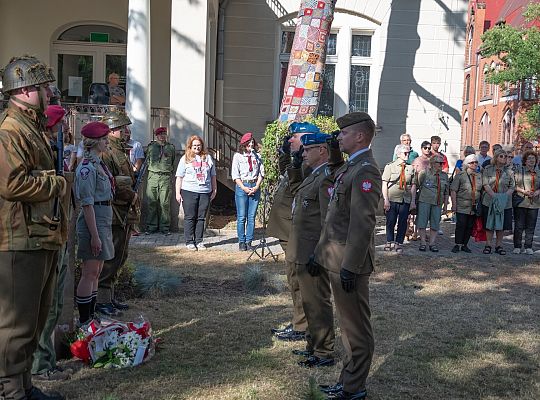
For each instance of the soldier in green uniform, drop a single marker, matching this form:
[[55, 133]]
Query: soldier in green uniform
[[279, 223], [30, 236], [346, 250], [160, 155], [117, 161], [308, 214]]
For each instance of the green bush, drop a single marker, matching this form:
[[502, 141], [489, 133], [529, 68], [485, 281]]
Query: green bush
[[156, 282]]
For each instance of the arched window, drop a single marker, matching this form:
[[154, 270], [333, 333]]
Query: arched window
[[507, 127], [485, 127], [465, 128], [467, 89], [469, 51]]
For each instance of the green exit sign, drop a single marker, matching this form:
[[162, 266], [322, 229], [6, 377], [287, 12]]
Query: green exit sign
[[99, 37]]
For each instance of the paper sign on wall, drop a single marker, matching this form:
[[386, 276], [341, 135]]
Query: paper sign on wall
[[75, 86]]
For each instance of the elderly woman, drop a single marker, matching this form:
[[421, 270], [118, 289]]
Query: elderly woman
[[196, 187], [526, 213], [397, 182], [433, 188], [465, 193], [405, 140], [94, 187], [467, 151], [498, 183]]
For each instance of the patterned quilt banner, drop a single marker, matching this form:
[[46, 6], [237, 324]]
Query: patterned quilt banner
[[306, 65]]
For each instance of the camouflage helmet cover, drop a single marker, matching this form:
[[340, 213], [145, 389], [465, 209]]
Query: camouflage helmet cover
[[116, 119], [25, 71]]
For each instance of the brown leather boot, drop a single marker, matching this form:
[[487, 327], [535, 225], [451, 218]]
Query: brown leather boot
[[11, 388]]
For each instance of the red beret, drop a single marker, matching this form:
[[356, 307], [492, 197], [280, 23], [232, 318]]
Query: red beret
[[95, 130], [246, 138], [160, 130], [54, 114]]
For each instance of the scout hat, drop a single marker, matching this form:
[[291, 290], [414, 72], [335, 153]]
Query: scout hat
[[303, 127], [311, 139], [54, 114], [161, 131], [353, 118], [246, 137], [95, 130]]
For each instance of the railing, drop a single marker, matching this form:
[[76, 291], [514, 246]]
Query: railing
[[223, 140]]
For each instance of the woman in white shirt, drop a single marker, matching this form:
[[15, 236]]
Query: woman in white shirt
[[196, 187], [247, 171]]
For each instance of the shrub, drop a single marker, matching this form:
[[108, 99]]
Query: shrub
[[156, 282], [256, 280]]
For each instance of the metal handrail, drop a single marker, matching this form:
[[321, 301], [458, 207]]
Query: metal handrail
[[223, 140]]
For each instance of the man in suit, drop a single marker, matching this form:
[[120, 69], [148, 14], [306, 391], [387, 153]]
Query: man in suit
[[346, 250]]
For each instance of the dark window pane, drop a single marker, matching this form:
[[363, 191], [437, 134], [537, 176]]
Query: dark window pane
[[359, 88], [286, 42], [326, 100], [283, 77], [361, 45], [74, 77], [332, 43]]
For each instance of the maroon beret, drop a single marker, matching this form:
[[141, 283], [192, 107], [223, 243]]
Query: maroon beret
[[54, 114], [246, 138], [95, 130], [161, 130]]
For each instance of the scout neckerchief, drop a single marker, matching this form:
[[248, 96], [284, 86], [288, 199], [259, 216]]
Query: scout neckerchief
[[402, 178], [109, 175], [473, 187], [533, 176], [250, 163], [497, 177]]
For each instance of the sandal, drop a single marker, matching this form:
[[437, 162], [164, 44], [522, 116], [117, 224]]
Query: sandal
[[388, 246], [399, 249], [433, 248], [487, 250], [499, 250], [422, 247]]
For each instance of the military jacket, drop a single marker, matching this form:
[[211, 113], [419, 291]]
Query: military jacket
[[505, 182], [347, 238], [28, 185], [92, 183], [309, 212], [467, 187], [524, 180], [432, 190], [118, 163], [391, 177], [161, 157]]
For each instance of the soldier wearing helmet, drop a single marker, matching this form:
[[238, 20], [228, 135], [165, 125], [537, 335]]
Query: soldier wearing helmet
[[125, 210], [29, 238]]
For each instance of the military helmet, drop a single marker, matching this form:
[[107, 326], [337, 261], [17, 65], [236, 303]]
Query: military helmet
[[25, 71], [116, 119]]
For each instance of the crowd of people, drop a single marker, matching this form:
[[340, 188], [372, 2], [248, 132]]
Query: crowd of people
[[489, 195]]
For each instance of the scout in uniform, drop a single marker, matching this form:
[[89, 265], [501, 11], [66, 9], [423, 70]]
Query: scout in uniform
[[397, 179], [497, 179], [279, 224], [31, 233], [346, 250], [465, 193], [433, 189], [160, 154], [526, 213], [308, 214], [117, 161], [94, 188]]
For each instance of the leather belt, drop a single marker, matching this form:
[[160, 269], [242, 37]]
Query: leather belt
[[249, 181], [102, 203], [160, 173]]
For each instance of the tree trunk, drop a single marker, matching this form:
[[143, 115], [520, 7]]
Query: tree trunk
[[306, 64]]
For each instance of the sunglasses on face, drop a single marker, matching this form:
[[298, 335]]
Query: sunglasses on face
[[473, 162], [502, 156], [438, 162], [427, 148], [406, 152]]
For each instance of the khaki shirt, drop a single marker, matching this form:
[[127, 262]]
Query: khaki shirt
[[427, 183], [524, 179], [506, 182], [463, 186], [120, 167], [92, 184], [391, 178], [28, 185], [161, 157], [347, 239]]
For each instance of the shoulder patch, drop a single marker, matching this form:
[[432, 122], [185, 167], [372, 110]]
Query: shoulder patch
[[84, 172], [367, 185]]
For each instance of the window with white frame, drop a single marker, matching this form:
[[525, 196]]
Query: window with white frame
[[508, 127], [485, 127], [529, 89], [359, 74]]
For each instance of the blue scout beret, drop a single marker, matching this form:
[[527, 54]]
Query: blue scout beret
[[311, 139], [303, 127]]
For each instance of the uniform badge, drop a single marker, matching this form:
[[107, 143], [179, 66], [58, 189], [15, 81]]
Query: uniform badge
[[305, 204], [330, 191], [84, 172], [367, 186]]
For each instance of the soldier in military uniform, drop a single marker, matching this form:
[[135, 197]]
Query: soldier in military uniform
[[279, 223], [124, 212], [346, 250], [31, 234], [160, 154], [308, 214]]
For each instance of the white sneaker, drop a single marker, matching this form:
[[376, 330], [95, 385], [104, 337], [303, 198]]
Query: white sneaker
[[529, 252], [201, 246], [516, 250], [191, 247]]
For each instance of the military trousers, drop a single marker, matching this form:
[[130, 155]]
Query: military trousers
[[111, 268], [45, 354], [158, 194], [299, 320], [356, 333], [27, 282], [317, 305]]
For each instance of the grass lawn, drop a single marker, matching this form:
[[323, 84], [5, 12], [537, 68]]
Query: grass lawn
[[445, 328]]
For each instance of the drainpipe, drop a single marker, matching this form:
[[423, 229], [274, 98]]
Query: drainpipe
[[220, 60]]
